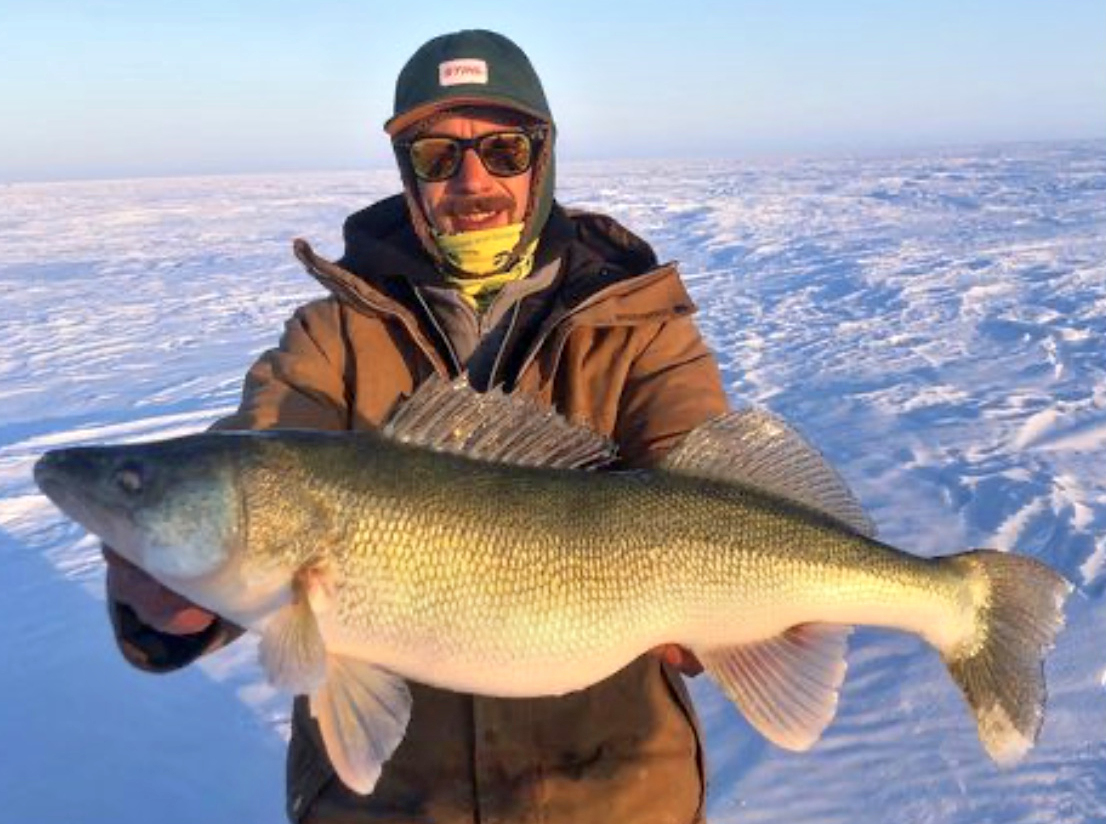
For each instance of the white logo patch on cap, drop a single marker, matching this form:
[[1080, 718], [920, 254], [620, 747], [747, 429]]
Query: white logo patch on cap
[[455, 72]]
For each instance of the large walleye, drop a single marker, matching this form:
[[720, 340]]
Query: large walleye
[[462, 548]]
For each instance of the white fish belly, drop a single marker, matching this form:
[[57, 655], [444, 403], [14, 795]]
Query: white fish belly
[[489, 671]]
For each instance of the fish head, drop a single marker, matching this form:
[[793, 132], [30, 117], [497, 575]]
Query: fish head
[[170, 507]]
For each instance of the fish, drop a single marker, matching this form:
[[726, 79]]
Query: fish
[[481, 543]]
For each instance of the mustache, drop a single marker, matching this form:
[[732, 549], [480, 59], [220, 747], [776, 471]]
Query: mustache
[[463, 205]]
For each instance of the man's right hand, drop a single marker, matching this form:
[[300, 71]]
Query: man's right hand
[[155, 605]]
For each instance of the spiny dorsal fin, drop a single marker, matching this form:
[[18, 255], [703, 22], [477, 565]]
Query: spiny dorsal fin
[[755, 448], [451, 416]]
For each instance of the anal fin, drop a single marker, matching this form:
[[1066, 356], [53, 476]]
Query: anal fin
[[786, 686]]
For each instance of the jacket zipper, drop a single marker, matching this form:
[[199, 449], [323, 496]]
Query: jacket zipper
[[456, 361], [506, 339]]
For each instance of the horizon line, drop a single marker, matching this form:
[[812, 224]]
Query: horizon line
[[376, 166]]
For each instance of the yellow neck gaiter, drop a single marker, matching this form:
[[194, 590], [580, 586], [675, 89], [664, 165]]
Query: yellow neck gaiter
[[481, 256]]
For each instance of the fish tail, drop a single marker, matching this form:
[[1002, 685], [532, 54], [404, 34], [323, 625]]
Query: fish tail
[[1019, 609]]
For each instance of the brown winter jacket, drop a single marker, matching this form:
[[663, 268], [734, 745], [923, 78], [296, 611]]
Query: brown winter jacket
[[612, 345]]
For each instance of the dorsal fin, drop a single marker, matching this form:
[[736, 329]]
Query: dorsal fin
[[755, 448], [451, 416]]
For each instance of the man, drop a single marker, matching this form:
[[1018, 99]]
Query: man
[[476, 268]]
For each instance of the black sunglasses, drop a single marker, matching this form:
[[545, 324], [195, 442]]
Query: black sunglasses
[[504, 154]]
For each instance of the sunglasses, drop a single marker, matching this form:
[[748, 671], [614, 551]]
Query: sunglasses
[[504, 154]]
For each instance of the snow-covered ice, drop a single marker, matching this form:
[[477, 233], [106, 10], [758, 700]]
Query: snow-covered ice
[[936, 323]]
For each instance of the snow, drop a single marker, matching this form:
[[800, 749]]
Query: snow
[[936, 323]]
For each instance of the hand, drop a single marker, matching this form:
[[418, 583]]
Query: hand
[[678, 657], [155, 605]]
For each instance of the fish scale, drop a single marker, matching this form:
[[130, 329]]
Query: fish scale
[[488, 572]]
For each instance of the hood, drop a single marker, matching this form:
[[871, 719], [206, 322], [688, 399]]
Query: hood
[[473, 68]]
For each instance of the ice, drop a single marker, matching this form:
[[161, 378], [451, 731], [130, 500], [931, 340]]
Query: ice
[[935, 322]]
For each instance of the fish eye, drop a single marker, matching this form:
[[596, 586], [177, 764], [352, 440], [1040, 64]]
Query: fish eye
[[128, 478]]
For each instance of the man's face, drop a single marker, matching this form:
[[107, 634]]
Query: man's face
[[474, 198]]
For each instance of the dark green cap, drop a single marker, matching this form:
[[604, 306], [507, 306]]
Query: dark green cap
[[467, 68]]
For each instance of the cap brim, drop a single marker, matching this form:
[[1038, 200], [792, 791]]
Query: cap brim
[[395, 125]]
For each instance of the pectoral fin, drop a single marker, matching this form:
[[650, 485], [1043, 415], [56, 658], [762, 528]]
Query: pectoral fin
[[292, 651], [786, 686], [363, 712]]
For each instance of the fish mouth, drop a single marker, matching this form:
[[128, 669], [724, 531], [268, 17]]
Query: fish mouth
[[50, 477], [45, 467], [65, 477], [157, 505]]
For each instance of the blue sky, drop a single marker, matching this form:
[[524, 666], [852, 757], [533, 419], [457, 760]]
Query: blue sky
[[145, 87]]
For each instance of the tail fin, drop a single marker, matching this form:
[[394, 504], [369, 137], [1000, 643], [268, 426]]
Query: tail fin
[[1019, 611]]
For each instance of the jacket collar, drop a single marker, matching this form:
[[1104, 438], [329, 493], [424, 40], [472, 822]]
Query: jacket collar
[[608, 275], [596, 251]]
